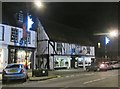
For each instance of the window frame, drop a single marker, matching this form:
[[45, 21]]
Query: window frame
[[3, 28]]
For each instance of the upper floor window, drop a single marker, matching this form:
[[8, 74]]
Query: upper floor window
[[14, 35], [1, 33], [29, 38], [59, 48]]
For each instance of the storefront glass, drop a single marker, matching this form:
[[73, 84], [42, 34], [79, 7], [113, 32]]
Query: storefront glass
[[87, 61], [21, 57], [60, 62], [1, 59]]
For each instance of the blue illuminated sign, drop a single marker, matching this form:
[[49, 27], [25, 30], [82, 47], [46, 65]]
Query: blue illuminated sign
[[107, 40], [29, 23]]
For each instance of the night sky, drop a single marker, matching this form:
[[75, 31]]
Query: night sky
[[89, 17]]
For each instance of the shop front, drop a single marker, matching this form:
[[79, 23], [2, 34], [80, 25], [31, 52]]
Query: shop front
[[3, 57], [87, 60], [62, 62], [74, 61], [21, 55]]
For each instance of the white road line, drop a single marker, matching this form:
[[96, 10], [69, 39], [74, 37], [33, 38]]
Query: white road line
[[93, 80], [72, 75], [67, 76], [77, 75], [89, 74], [58, 76]]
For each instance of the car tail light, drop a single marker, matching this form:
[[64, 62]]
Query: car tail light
[[102, 65]]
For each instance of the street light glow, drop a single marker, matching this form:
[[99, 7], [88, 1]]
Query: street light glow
[[113, 33], [38, 3]]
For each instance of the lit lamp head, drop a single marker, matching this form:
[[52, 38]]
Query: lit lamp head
[[113, 33], [38, 3]]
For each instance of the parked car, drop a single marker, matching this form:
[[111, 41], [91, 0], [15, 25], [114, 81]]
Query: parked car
[[14, 72], [109, 65], [115, 64], [97, 67]]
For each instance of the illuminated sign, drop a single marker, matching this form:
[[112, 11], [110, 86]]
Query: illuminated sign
[[29, 23], [107, 40]]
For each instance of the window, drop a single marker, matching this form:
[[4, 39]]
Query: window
[[14, 35], [28, 38], [59, 48], [13, 66], [1, 33]]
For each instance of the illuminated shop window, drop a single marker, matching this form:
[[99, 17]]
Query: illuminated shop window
[[21, 55], [1, 58], [61, 62]]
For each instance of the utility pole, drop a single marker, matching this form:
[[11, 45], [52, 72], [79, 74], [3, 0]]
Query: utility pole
[[38, 42]]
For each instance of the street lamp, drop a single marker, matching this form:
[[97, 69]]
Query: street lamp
[[38, 4], [107, 40], [113, 33], [29, 24], [110, 34]]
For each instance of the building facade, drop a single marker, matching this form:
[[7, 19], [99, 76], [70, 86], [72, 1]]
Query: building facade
[[14, 48], [57, 55]]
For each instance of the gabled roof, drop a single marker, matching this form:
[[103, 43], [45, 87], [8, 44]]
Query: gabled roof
[[62, 33]]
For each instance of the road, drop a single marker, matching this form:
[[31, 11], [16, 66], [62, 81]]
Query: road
[[82, 79]]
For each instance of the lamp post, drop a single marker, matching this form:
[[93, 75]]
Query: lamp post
[[28, 26], [39, 5], [107, 36], [107, 40]]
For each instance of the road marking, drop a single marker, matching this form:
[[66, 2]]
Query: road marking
[[58, 76], [72, 75], [89, 74], [93, 81], [64, 88], [67, 76]]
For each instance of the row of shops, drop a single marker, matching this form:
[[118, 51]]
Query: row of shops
[[67, 62], [60, 56]]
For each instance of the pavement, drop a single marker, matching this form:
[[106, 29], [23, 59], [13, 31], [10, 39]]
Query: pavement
[[51, 74]]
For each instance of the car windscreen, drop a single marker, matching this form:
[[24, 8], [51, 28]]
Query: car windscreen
[[114, 62], [13, 66]]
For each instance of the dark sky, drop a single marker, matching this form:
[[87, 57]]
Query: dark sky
[[91, 17], [88, 16]]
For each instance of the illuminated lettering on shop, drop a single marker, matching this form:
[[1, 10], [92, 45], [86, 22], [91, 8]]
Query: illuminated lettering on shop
[[29, 23]]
